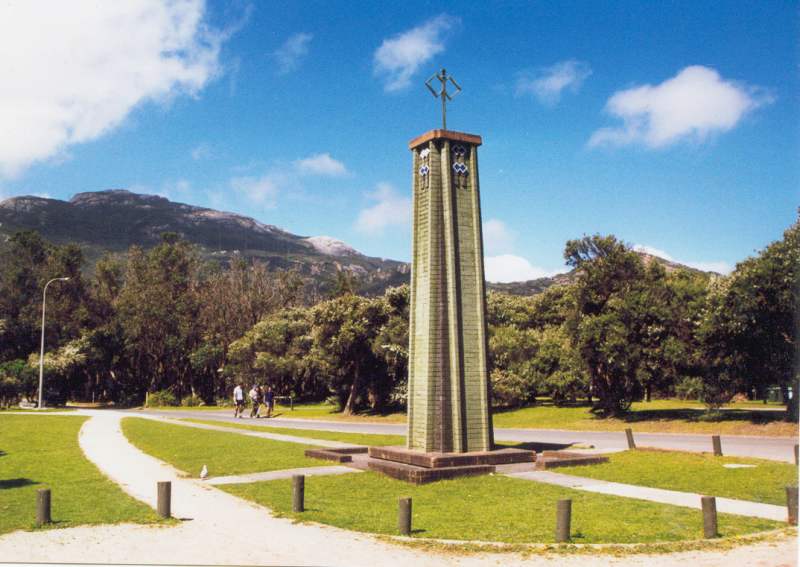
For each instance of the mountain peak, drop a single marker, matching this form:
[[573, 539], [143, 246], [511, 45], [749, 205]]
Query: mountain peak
[[115, 196], [332, 246]]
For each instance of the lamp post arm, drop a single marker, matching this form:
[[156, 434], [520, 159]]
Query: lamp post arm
[[41, 351]]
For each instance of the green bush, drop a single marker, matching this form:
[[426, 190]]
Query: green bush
[[192, 401], [161, 398], [689, 388], [9, 390], [509, 389]]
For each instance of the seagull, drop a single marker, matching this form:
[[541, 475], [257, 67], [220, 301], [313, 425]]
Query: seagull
[[204, 473]]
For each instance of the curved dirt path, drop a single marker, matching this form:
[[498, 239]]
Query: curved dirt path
[[222, 529]]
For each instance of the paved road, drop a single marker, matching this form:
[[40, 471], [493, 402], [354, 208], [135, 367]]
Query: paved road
[[775, 448]]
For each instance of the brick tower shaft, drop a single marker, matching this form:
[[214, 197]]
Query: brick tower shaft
[[448, 388]]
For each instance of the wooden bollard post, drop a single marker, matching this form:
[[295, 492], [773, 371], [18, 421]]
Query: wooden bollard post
[[791, 504], [796, 456], [717, 444], [709, 504], [404, 516], [164, 504], [563, 520], [43, 507], [298, 493], [629, 435]]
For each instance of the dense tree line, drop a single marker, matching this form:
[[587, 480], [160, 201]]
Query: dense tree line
[[162, 323]]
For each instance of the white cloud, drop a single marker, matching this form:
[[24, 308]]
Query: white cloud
[[547, 84], [510, 268], [399, 57], [321, 164], [497, 237], [262, 191], [390, 209], [201, 152], [289, 55], [713, 266], [73, 71], [694, 103]]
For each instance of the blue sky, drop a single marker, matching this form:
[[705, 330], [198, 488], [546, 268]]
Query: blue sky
[[672, 125]]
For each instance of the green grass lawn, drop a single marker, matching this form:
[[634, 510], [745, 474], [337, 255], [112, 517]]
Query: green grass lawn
[[33, 410], [266, 426], [43, 452], [189, 448], [660, 416], [693, 472], [487, 508]]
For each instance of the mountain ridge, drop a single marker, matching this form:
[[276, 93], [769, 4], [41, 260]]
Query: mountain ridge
[[113, 220]]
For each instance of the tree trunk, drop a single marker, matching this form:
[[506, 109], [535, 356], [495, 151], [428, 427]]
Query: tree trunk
[[351, 399], [647, 393]]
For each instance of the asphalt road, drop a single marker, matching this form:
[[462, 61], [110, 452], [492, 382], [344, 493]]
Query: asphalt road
[[774, 448]]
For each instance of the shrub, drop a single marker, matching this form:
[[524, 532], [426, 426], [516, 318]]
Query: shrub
[[689, 388], [192, 401], [509, 389], [162, 398], [9, 390]]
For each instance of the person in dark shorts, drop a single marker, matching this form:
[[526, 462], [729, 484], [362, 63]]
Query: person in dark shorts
[[269, 400], [255, 398], [238, 401]]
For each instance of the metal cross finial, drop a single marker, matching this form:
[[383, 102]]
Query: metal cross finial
[[443, 94]]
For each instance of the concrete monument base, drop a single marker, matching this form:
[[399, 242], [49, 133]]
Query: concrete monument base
[[420, 468]]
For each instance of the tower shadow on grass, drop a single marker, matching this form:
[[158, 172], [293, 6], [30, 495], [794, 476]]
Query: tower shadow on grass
[[702, 415], [16, 483], [533, 446]]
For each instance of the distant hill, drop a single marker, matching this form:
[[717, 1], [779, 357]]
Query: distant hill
[[116, 219]]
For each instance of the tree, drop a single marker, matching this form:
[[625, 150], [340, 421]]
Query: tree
[[157, 310], [603, 323], [750, 328], [230, 303], [344, 331]]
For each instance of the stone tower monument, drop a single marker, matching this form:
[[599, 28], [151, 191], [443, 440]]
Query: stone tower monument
[[448, 391], [449, 420]]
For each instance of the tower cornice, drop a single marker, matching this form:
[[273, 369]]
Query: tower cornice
[[451, 135]]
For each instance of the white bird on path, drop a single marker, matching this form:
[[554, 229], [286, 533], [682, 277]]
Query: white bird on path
[[204, 473]]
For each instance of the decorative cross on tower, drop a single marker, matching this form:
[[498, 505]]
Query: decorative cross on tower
[[443, 77]]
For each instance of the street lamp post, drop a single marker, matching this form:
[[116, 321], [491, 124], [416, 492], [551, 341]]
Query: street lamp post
[[41, 353]]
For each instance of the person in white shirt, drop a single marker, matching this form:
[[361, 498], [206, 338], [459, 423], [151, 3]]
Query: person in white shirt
[[238, 400]]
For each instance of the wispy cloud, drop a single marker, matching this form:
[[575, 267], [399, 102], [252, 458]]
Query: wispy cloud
[[695, 103], [501, 263], [399, 57], [506, 268], [259, 190], [548, 83], [289, 55], [497, 237], [707, 266], [111, 58], [321, 164], [390, 209], [201, 152]]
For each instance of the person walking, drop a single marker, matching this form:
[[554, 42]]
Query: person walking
[[269, 400], [238, 401], [255, 398]]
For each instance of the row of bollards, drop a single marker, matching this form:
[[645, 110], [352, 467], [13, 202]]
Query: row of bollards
[[563, 509], [716, 445]]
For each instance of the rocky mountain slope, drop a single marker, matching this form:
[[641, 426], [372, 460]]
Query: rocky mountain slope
[[114, 220]]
